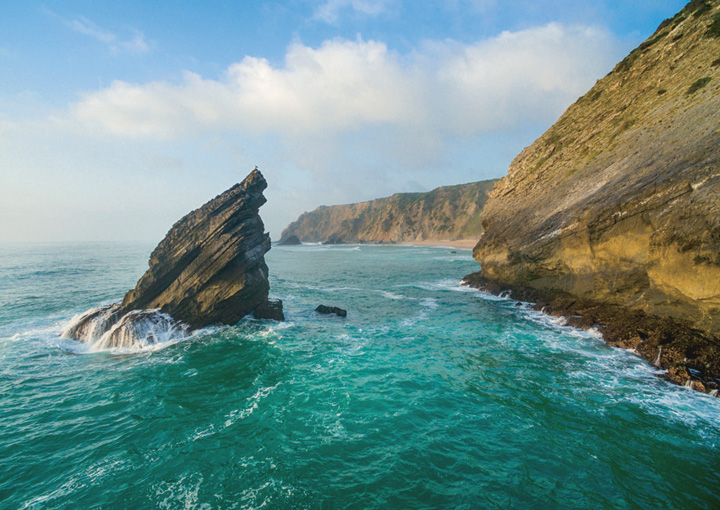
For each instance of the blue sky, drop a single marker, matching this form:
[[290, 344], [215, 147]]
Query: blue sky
[[117, 118]]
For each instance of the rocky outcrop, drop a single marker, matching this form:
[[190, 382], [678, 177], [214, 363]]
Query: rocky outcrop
[[292, 240], [271, 309], [328, 310], [449, 212], [618, 204], [209, 269]]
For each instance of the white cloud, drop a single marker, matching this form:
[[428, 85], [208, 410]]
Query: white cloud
[[443, 89], [345, 121], [83, 25], [134, 44], [330, 10]]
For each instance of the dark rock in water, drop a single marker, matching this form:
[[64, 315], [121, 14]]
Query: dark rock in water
[[290, 241], [209, 269], [331, 309], [271, 309]]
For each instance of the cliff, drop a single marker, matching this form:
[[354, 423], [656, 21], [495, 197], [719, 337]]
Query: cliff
[[449, 212], [618, 203], [209, 269]]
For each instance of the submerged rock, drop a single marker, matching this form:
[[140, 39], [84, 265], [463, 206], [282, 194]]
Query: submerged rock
[[108, 327], [93, 324], [209, 269], [140, 328], [326, 310]]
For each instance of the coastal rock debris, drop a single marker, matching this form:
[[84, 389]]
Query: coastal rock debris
[[327, 310], [271, 309]]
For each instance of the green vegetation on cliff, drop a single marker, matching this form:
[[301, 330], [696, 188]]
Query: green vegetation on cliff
[[449, 212], [619, 201]]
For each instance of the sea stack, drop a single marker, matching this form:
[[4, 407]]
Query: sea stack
[[209, 269], [615, 210]]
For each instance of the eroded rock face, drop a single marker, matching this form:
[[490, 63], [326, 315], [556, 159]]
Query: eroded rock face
[[291, 240], [449, 212], [209, 269], [618, 203], [620, 200]]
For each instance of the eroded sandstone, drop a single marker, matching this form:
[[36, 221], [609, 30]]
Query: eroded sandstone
[[618, 203]]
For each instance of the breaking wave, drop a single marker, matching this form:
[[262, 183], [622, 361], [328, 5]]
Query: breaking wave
[[103, 328]]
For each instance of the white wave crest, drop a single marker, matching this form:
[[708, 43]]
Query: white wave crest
[[391, 295], [93, 324], [140, 329], [106, 328]]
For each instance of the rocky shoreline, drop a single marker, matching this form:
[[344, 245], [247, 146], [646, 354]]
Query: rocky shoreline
[[690, 357]]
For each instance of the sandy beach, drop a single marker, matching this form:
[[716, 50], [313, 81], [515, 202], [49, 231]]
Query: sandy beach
[[457, 243]]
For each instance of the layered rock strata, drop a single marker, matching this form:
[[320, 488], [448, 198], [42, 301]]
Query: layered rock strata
[[449, 212], [209, 269], [618, 204]]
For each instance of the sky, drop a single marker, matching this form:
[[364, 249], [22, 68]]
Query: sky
[[119, 117]]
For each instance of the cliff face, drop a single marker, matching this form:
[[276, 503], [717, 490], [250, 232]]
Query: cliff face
[[449, 212], [619, 202]]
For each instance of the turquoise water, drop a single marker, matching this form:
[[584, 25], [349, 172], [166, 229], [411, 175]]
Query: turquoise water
[[429, 395]]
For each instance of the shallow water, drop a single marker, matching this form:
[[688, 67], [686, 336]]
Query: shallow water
[[428, 395]]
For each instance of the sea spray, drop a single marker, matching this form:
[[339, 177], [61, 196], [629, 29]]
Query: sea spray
[[106, 327], [142, 328], [93, 324]]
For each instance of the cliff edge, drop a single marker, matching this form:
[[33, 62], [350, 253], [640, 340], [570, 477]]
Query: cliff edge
[[618, 203]]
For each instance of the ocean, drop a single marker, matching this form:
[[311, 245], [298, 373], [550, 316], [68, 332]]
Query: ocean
[[428, 395]]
